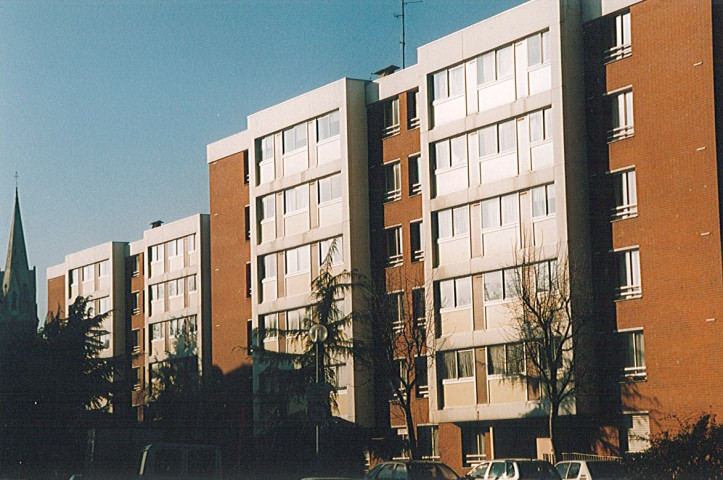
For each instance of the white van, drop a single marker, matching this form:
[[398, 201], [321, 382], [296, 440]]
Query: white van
[[590, 470], [166, 461]]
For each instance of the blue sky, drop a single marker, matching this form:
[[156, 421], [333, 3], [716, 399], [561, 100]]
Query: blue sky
[[106, 107]]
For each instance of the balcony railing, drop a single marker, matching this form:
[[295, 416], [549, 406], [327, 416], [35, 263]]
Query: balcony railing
[[621, 132], [624, 211], [391, 130], [417, 255], [635, 374], [628, 291], [394, 260], [616, 53]]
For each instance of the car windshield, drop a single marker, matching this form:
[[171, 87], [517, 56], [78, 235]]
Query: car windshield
[[430, 471], [605, 469], [537, 470], [479, 471]]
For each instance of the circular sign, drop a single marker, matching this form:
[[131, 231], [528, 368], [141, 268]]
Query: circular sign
[[318, 333]]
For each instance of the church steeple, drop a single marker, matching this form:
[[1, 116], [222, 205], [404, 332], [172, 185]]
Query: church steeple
[[17, 259]]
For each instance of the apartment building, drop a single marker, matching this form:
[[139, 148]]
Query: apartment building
[[518, 131], [156, 294]]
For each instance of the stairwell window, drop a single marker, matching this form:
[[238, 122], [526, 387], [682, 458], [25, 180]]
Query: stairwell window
[[629, 285], [632, 348], [620, 38], [621, 115], [393, 181], [391, 117], [625, 194]]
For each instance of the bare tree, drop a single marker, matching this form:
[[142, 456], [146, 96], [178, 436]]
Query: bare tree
[[548, 322], [400, 315]]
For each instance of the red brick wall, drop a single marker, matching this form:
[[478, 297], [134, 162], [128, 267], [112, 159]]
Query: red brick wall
[[56, 295]]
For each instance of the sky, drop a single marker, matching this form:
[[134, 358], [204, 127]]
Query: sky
[[106, 107]]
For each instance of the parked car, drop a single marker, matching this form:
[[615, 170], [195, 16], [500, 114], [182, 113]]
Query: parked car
[[170, 461], [514, 469], [411, 470], [591, 470]]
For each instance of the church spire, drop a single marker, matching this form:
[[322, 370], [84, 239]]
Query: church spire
[[17, 259]]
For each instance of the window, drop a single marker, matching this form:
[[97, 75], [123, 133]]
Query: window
[[270, 326], [268, 267], [105, 339], [402, 372], [135, 265], [104, 268], [396, 304], [327, 126], [330, 188], [622, 116], [415, 174], [135, 303], [248, 280], [474, 446], [191, 323], [88, 271], [450, 153], [416, 235], [455, 293], [453, 222], [191, 242], [637, 427], [448, 83], [620, 38], [295, 138], [496, 65], [419, 308], [543, 201], [498, 138], [628, 274], [157, 291], [538, 49], [268, 207], [296, 199], [337, 255], [266, 159], [540, 125], [501, 284], [297, 260], [412, 113], [191, 283], [456, 365], [246, 168], [420, 365], [339, 376], [393, 181], [73, 276], [157, 253], [391, 117], [296, 320], [247, 222], [175, 327], [506, 360], [633, 354], [625, 195], [135, 340], [428, 441], [501, 211], [393, 237], [103, 305], [158, 331], [546, 276]]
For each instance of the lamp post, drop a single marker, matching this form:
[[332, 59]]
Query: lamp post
[[317, 334]]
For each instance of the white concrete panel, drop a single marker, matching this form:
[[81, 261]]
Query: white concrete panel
[[175, 303], [268, 290], [158, 306], [296, 162], [496, 94], [501, 241], [499, 167], [459, 394], [296, 223], [451, 180], [542, 155], [330, 214], [268, 230], [444, 111], [453, 251], [498, 315], [507, 390], [156, 268], [328, 151], [298, 284], [540, 79], [456, 321], [545, 231], [175, 263]]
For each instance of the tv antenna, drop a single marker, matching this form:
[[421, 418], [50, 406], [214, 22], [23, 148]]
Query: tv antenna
[[404, 34]]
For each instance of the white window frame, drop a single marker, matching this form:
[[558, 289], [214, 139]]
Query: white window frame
[[192, 284], [458, 220], [418, 226], [625, 193], [420, 318], [621, 38], [338, 257], [390, 117], [157, 253], [415, 170], [507, 281], [502, 219], [457, 302], [496, 128], [457, 378], [392, 181], [496, 56], [444, 154], [621, 114], [628, 263], [296, 262], [158, 331], [540, 126], [633, 348], [507, 361], [542, 49], [296, 200], [396, 298], [445, 91], [267, 208], [267, 272], [296, 134], [88, 271], [332, 183], [396, 257], [103, 268], [274, 323], [546, 195], [327, 127], [191, 242], [266, 158]]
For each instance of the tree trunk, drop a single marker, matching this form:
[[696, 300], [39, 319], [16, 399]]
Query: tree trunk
[[552, 426], [411, 432]]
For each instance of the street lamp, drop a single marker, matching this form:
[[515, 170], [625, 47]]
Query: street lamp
[[317, 334]]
